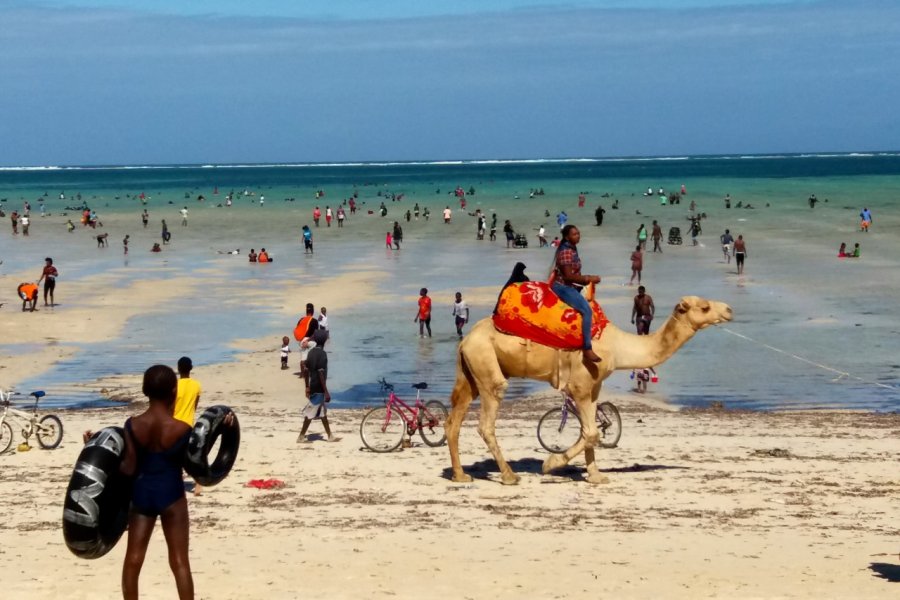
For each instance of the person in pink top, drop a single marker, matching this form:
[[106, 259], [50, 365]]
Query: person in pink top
[[317, 214]]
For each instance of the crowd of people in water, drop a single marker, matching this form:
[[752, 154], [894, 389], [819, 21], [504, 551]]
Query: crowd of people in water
[[486, 225]]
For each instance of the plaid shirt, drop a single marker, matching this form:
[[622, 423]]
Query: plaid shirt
[[567, 255]]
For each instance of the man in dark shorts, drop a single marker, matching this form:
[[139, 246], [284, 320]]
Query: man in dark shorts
[[317, 388], [307, 240], [643, 310], [740, 251], [656, 236], [423, 314], [49, 274]]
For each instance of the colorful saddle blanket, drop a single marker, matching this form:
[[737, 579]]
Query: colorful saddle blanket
[[531, 310]]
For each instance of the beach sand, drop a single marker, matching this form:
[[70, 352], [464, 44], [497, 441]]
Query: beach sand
[[701, 503]]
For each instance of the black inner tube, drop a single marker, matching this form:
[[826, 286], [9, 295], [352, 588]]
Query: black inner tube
[[209, 428]]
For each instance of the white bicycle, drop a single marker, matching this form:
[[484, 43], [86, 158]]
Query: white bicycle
[[48, 429]]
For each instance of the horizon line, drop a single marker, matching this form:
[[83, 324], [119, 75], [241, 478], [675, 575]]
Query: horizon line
[[453, 162]]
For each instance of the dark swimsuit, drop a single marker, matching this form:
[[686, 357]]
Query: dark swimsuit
[[158, 484]]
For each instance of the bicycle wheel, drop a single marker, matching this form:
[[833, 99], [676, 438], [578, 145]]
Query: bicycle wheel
[[6, 437], [431, 423], [609, 424], [557, 434], [381, 432], [49, 432]]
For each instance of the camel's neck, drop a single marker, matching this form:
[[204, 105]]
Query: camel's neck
[[630, 351]]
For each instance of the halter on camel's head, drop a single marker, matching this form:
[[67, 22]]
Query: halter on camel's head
[[698, 313]]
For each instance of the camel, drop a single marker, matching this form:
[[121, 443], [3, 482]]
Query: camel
[[487, 358]]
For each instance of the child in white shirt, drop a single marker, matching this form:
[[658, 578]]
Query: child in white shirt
[[285, 349]]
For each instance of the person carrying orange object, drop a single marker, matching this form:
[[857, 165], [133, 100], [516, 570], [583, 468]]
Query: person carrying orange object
[[303, 333]]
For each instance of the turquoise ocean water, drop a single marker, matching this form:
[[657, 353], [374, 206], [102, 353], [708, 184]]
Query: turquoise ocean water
[[806, 312]]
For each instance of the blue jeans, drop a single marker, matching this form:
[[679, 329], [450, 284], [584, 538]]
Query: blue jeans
[[573, 298]]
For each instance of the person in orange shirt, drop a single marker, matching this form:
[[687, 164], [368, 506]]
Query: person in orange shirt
[[423, 316], [28, 292], [263, 256]]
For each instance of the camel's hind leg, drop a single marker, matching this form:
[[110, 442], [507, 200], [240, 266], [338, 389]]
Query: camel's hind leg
[[481, 377], [464, 391]]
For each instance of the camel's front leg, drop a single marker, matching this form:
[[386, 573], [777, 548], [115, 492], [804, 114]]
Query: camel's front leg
[[490, 406], [555, 461], [593, 472], [594, 475], [587, 442]]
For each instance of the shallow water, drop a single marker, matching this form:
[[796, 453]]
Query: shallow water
[[796, 297]]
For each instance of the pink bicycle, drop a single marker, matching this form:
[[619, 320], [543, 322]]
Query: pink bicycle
[[382, 428]]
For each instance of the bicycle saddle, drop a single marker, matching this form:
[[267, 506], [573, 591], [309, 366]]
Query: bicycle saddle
[[38, 394], [420, 386]]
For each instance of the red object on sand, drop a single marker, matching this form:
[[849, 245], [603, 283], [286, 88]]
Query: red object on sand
[[265, 484]]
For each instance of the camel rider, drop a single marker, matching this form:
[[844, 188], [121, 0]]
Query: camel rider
[[568, 282]]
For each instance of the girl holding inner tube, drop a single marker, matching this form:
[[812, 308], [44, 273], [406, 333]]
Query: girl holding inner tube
[[155, 445]]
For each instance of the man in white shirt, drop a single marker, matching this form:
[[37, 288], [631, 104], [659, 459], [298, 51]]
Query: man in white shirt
[[447, 213], [460, 314]]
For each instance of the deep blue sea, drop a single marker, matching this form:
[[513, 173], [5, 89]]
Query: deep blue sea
[[817, 311]]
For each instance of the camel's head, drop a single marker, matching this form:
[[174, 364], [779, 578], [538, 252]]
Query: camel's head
[[699, 312]]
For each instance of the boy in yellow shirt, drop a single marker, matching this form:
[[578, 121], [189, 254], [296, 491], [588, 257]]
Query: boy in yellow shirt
[[188, 397]]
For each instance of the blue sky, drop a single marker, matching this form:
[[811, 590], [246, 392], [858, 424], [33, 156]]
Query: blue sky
[[106, 82]]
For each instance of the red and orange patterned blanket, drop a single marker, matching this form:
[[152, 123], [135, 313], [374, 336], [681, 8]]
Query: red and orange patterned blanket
[[531, 310]]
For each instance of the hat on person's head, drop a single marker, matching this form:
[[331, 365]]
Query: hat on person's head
[[185, 364], [320, 336]]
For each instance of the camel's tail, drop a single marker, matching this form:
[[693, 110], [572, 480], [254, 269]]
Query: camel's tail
[[464, 389]]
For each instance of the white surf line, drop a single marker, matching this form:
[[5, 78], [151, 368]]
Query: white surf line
[[841, 374]]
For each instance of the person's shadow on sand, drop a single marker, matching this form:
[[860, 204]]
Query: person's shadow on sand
[[886, 571]]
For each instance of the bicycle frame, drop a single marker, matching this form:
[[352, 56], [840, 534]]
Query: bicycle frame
[[409, 414], [567, 407], [9, 413]]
